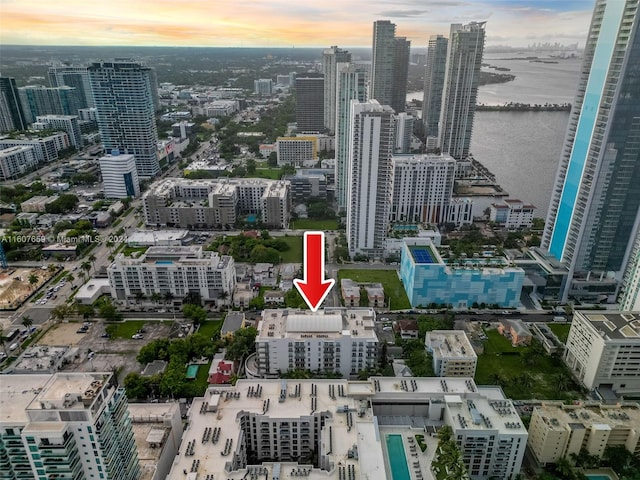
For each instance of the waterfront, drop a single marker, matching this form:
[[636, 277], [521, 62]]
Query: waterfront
[[522, 149]]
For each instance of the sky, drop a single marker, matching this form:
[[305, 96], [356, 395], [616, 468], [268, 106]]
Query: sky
[[283, 23]]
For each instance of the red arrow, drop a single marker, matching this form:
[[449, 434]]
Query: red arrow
[[314, 288]]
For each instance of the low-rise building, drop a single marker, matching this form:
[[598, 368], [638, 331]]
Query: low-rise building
[[88, 293], [428, 279], [45, 148], [274, 297], [556, 430], [243, 294], [16, 161], [221, 370], [375, 294], [453, 355], [407, 329], [151, 238], [175, 271], [350, 292], [512, 214], [602, 350], [37, 203], [67, 123], [329, 340], [516, 331], [119, 175], [233, 321]]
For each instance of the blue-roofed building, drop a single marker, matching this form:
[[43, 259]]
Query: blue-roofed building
[[428, 279]]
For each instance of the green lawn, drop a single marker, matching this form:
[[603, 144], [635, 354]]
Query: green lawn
[[308, 224], [545, 371], [210, 328], [202, 379], [561, 330], [272, 173], [125, 329], [294, 254], [393, 288]]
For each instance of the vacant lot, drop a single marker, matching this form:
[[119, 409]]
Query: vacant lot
[[523, 374], [393, 289], [308, 224], [62, 334], [294, 254]]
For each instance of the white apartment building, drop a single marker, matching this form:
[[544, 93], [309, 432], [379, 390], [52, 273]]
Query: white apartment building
[[66, 425], [556, 430], [263, 86], [512, 214], [38, 203], [178, 271], [217, 108], [119, 175], [453, 355], [214, 203], [297, 151], [67, 123], [338, 429], [403, 133], [329, 340], [15, 161], [369, 180], [603, 350], [422, 188], [45, 148]]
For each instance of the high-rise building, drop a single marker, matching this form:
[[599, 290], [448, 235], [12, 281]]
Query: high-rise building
[[351, 84], [11, 113], [594, 215], [630, 292], [433, 86], [331, 58], [382, 62], [40, 100], [16, 161], [464, 59], [310, 102], [66, 425], [263, 87], [401, 54], [422, 188], [403, 133], [119, 175], [66, 123], [123, 94], [76, 77], [369, 177]]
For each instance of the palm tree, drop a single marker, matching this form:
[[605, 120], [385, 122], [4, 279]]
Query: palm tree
[[168, 297], [86, 266], [139, 296], [71, 278], [52, 268], [155, 297], [33, 279], [92, 259], [27, 322]]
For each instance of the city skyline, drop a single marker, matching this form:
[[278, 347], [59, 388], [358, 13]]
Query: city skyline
[[282, 24]]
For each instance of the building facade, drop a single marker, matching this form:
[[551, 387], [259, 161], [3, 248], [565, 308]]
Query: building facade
[[512, 214], [310, 102], [76, 77], [178, 271], [435, 69], [556, 431], [382, 62], [453, 355], [464, 60], [66, 425], [45, 148], [16, 161], [67, 123], [603, 350], [351, 84], [422, 188], [630, 293], [217, 203], [329, 340], [40, 100], [297, 151], [427, 279], [369, 177], [119, 175], [331, 58], [401, 57], [594, 214], [404, 133], [12, 115], [263, 87], [124, 97]]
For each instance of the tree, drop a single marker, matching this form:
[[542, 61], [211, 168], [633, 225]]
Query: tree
[[27, 321], [92, 259], [242, 343], [168, 297], [86, 267], [195, 313], [251, 166], [155, 297], [33, 279], [52, 267], [3, 339], [62, 311], [71, 278], [109, 312], [136, 386], [139, 295]]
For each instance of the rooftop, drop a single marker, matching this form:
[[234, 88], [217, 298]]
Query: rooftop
[[614, 325], [16, 391], [449, 343], [64, 390], [560, 417]]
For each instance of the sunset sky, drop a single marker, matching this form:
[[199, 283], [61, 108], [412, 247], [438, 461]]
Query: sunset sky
[[282, 23]]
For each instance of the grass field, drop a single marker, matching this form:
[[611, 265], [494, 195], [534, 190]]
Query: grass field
[[294, 254], [308, 224], [210, 328], [546, 372], [202, 378], [272, 173], [561, 330], [393, 288], [124, 329]]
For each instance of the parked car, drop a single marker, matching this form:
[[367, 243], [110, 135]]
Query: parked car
[[137, 336]]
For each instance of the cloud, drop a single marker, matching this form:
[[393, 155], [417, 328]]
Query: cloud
[[402, 13]]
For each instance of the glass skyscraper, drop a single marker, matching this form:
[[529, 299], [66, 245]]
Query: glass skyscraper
[[464, 59], [331, 57], [594, 214], [123, 92], [433, 84]]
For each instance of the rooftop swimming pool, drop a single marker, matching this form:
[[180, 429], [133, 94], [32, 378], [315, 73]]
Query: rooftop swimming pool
[[397, 458]]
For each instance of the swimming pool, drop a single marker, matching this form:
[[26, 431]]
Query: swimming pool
[[192, 371], [397, 458], [598, 476]]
